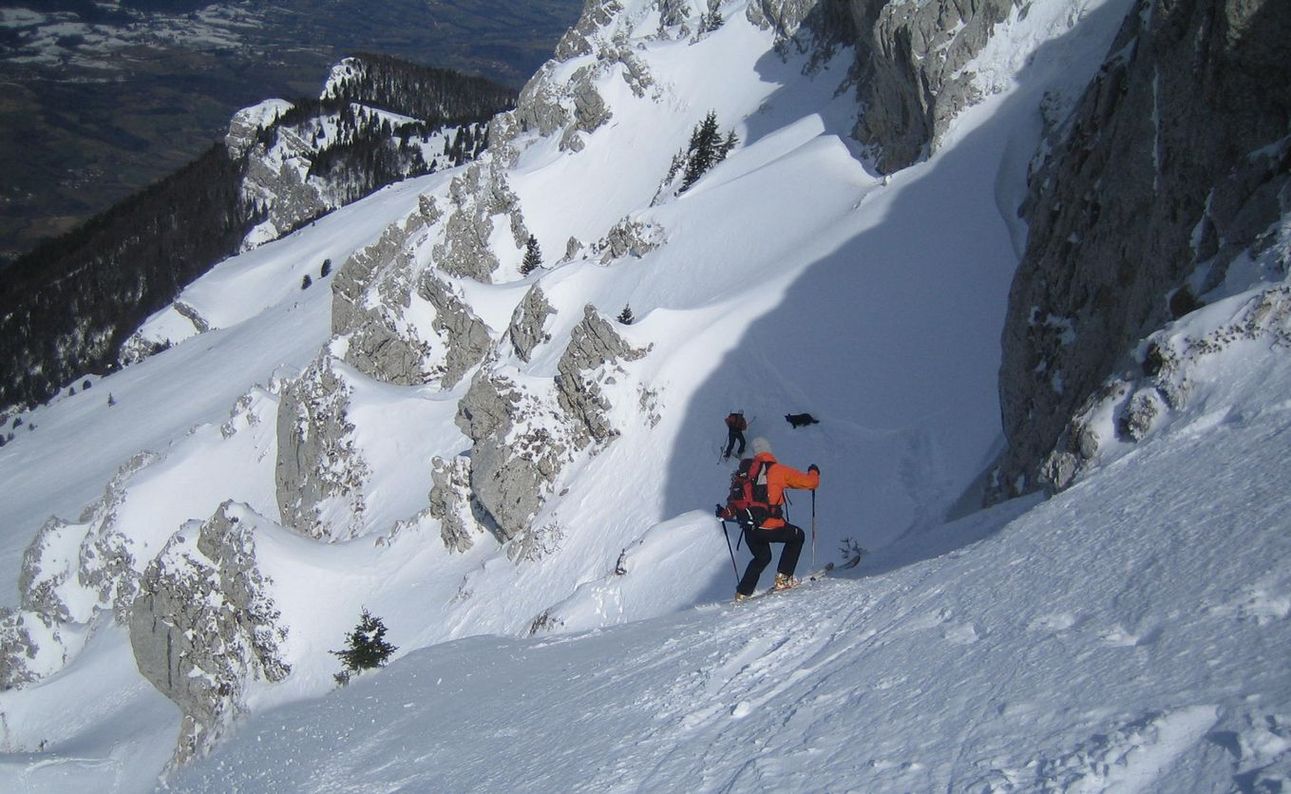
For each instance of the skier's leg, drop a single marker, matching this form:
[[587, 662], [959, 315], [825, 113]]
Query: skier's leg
[[761, 551], [793, 538]]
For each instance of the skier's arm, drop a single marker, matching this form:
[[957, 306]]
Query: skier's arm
[[800, 479]]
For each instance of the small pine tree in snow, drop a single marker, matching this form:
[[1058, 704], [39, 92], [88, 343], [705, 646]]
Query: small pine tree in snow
[[306, 281], [366, 648], [706, 150], [532, 257], [325, 269], [625, 316]]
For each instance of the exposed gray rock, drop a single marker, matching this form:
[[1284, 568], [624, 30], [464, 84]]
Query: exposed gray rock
[[1165, 384], [635, 72], [909, 56], [17, 651], [673, 13], [369, 292], [381, 353], [276, 179], [539, 104], [520, 445], [41, 578], [450, 502], [574, 106], [466, 337], [522, 438], [578, 39], [244, 130], [589, 109], [825, 19], [204, 625], [573, 247], [320, 472], [593, 345], [536, 542], [359, 273], [465, 249], [628, 238], [1143, 408], [103, 564], [1171, 165], [193, 316], [526, 328]]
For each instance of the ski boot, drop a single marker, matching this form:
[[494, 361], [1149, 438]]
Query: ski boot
[[785, 582]]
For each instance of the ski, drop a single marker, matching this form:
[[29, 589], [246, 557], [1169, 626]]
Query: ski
[[814, 576]]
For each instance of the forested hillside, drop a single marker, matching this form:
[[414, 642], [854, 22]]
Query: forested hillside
[[67, 308]]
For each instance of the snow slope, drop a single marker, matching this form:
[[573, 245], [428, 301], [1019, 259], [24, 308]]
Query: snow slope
[[1130, 634], [1126, 633]]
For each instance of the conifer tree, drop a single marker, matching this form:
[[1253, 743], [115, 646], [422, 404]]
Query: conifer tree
[[532, 256], [703, 154], [625, 316], [366, 647]]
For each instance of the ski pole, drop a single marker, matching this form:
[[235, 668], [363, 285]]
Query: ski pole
[[813, 528], [727, 535]]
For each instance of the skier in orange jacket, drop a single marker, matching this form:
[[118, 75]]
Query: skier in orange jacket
[[761, 532]]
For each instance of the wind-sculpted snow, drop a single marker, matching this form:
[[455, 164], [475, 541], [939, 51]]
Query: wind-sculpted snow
[[1127, 634], [470, 447]]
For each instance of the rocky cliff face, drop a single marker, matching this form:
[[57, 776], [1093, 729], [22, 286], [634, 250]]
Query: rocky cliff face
[[204, 625], [320, 471], [910, 77], [71, 572], [1173, 166], [524, 435], [909, 71]]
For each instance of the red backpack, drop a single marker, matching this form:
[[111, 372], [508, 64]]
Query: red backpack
[[746, 502]]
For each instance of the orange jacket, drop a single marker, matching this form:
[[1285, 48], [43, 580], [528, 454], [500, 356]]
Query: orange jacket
[[781, 477]]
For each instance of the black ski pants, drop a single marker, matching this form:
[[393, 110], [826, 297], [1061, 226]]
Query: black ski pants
[[760, 541], [733, 435]]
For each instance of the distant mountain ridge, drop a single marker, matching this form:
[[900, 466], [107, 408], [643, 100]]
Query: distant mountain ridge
[[68, 308], [103, 99]]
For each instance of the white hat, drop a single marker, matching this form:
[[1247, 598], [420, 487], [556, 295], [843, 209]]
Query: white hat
[[761, 445]]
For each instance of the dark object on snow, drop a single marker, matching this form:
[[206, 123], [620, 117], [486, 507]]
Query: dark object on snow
[[735, 427], [801, 420]]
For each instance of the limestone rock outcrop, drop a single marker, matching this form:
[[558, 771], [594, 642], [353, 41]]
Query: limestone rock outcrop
[[204, 625], [320, 471], [524, 435], [1175, 163]]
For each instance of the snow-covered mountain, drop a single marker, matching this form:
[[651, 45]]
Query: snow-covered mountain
[[519, 482]]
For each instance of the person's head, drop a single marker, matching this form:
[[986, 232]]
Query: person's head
[[761, 445]]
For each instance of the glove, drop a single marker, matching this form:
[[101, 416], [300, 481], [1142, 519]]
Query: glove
[[813, 467], [718, 511]]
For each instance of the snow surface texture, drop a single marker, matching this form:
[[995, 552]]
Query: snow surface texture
[[1129, 634]]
